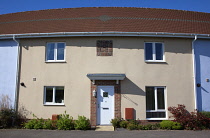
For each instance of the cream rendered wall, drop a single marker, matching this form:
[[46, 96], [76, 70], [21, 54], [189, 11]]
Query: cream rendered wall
[[128, 57]]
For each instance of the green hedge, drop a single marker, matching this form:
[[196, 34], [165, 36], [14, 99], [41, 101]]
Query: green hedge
[[167, 124]]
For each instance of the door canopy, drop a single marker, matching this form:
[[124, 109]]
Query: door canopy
[[102, 76]]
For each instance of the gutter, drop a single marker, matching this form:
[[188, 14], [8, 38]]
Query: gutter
[[194, 71], [17, 75], [75, 34]]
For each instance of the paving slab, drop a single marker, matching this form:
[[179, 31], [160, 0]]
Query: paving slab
[[104, 128]]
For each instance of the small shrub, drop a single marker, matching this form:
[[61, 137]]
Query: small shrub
[[39, 123], [205, 113], [132, 126], [136, 122], [177, 126], [140, 127], [82, 123], [152, 126], [116, 122], [6, 117], [157, 125], [36, 123], [48, 124], [30, 124], [10, 118], [190, 121], [65, 122], [166, 124], [149, 127], [123, 124]]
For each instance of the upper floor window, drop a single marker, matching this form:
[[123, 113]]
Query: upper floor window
[[154, 51], [104, 48], [55, 51]]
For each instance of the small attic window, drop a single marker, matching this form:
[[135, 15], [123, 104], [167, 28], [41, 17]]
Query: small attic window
[[104, 47]]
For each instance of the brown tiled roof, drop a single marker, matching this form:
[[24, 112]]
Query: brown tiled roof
[[105, 19]]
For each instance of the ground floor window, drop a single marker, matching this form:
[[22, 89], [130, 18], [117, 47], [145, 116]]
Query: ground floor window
[[155, 103], [54, 95]]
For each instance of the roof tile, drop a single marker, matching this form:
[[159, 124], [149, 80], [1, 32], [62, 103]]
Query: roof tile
[[105, 19]]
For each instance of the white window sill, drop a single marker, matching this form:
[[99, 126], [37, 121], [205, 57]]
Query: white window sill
[[155, 61], [56, 61], [54, 104], [159, 110]]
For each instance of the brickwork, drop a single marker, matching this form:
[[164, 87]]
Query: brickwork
[[117, 98], [104, 47]]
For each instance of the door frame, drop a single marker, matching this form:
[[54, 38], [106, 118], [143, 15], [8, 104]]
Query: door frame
[[93, 99], [98, 115]]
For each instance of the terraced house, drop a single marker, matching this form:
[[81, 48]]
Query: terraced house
[[103, 63]]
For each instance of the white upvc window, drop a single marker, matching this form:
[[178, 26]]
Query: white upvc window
[[154, 52], [53, 95], [156, 103], [55, 52]]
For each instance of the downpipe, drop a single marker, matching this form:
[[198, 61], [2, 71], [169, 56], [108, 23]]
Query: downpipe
[[17, 75], [194, 71]]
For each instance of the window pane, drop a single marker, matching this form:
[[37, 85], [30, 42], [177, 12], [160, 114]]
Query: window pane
[[60, 51], [159, 51], [149, 51], [105, 94], [150, 98], [160, 98], [49, 95], [156, 115], [50, 51], [59, 95]]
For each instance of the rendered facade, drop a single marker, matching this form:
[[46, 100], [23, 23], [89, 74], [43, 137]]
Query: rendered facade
[[99, 62]]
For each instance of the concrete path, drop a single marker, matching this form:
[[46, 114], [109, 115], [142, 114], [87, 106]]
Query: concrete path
[[23, 133]]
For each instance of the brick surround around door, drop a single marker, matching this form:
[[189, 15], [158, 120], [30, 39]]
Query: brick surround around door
[[117, 98]]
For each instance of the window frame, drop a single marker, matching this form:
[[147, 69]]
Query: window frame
[[55, 52], [53, 101], [154, 52], [156, 101]]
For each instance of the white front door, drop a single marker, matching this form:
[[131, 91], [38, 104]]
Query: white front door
[[105, 103]]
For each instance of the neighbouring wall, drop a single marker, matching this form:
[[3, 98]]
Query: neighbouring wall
[[202, 64], [8, 69]]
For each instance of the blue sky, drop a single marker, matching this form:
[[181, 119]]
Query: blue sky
[[11, 6]]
